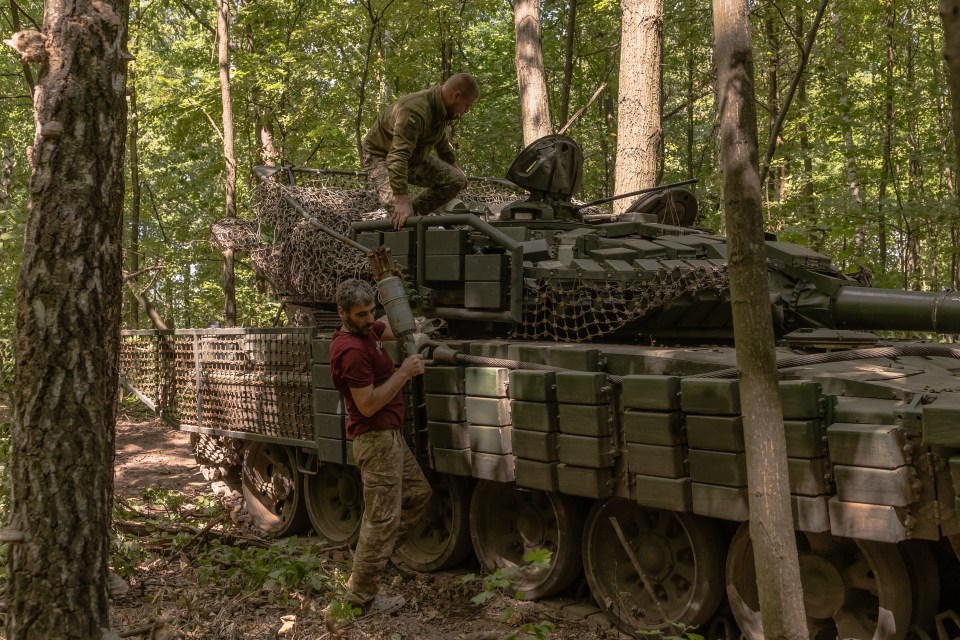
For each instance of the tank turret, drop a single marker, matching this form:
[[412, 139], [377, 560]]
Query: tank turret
[[545, 269]]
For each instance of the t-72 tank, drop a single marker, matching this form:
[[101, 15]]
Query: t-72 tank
[[582, 397]]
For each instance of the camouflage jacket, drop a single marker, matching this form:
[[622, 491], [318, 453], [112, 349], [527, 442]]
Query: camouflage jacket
[[407, 131]]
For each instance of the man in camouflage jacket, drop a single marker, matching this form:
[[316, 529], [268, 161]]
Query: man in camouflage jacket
[[396, 152]]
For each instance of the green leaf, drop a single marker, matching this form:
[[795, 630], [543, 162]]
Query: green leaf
[[482, 597]]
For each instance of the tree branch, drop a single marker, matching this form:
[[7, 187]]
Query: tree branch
[[206, 25], [804, 58]]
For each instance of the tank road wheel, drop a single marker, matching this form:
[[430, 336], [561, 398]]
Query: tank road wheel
[[334, 497], [506, 523], [679, 555], [219, 457], [851, 588], [273, 489], [442, 537]]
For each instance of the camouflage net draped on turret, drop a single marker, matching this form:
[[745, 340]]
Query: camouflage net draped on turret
[[304, 264], [581, 310]]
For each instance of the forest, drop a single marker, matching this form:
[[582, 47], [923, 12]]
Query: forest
[[861, 169], [856, 156]]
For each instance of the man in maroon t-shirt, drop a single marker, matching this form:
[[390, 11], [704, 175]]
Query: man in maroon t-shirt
[[395, 491]]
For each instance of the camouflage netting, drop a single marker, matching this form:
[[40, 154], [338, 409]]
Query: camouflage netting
[[302, 263], [582, 310]]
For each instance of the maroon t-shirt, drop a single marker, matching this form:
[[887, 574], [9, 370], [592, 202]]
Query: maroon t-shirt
[[358, 362]]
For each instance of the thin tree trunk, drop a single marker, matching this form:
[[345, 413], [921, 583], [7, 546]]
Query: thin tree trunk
[[913, 270], [887, 139], [950, 17], [808, 208], [133, 248], [267, 154], [6, 171], [569, 40], [446, 45], [531, 77], [782, 114], [609, 156], [69, 302], [691, 98], [639, 126], [375, 19], [846, 125], [774, 186], [771, 519], [230, 203]]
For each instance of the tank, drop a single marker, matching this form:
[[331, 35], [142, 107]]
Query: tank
[[582, 397]]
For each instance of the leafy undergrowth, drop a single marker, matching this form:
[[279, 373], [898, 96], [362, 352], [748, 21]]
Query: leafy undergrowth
[[192, 573]]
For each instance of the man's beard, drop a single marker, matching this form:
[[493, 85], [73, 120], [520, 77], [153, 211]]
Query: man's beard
[[356, 329]]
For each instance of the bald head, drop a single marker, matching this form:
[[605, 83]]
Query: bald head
[[459, 92]]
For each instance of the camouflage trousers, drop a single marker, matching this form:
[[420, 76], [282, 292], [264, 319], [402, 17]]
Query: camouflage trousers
[[395, 495], [441, 182]]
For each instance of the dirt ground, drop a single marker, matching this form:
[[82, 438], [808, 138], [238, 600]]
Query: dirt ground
[[169, 597]]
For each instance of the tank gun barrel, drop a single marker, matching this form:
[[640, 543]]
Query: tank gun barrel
[[890, 309]]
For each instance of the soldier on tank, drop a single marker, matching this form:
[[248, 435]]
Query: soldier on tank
[[395, 491], [397, 151]]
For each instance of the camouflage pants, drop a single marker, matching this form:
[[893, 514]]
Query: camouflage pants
[[441, 182], [395, 494]]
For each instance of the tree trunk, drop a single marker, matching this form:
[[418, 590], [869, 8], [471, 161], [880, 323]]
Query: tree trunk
[[775, 185], [133, 246], [913, 269], [815, 230], [6, 171], [639, 126], [569, 40], [262, 114], [797, 77], [362, 89], [607, 132], [950, 18], [69, 302], [230, 203], [846, 125], [691, 103], [531, 78], [771, 520], [887, 139]]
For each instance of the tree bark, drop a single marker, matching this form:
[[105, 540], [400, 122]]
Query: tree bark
[[771, 520], [639, 126], [66, 347], [569, 40], [230, 187], [531, 77]]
